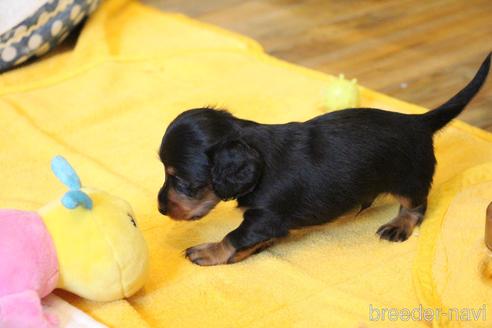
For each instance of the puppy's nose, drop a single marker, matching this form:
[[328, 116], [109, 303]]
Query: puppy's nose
[[162, 200], [162, 209]]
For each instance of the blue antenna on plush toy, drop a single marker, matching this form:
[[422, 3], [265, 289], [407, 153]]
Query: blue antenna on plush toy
[[67, 175]]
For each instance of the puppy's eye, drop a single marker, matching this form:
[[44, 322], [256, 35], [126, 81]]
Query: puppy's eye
[[183, 187]]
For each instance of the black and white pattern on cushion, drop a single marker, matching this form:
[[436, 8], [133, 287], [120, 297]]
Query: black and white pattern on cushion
[[42, 31]]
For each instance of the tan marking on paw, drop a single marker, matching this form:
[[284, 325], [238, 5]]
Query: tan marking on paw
[[222, 252], [211, 253]]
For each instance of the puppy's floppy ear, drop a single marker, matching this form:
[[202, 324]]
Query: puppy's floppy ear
[[236, 168]]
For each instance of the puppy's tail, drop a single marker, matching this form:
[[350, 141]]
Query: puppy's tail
[[439, 117]]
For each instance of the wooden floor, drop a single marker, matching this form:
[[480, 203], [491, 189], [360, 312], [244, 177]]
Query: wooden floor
[[418, 51]]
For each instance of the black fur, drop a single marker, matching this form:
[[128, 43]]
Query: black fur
[[292, 175]]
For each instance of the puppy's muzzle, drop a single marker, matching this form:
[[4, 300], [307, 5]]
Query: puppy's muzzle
[[172, 208], [180, 207]]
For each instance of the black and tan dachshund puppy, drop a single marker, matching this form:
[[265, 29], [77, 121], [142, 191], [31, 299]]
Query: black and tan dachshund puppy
[[287, 176]]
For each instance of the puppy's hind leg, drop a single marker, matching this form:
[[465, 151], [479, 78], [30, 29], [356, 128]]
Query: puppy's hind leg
[[411, 214]]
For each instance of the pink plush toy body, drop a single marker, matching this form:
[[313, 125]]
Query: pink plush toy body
[[28, 269]]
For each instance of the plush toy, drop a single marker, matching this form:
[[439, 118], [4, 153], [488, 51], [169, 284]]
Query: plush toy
[[87, 242], [341, 94]]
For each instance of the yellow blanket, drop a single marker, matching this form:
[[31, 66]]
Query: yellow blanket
[[105, 106]]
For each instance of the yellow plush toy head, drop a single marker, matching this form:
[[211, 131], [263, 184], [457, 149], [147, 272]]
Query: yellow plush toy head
[[101, 252]]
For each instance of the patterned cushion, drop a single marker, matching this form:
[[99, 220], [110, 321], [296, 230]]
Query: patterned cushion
[[42, 31]]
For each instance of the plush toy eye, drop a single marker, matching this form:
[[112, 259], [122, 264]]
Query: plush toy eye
[[132, 219]]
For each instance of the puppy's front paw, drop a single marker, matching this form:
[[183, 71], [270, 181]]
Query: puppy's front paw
[[394, 232], [210, 253]]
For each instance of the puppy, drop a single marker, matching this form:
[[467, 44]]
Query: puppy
[[287, 176]]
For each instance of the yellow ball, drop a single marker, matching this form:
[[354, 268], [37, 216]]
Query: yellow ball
[[342, 94]]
